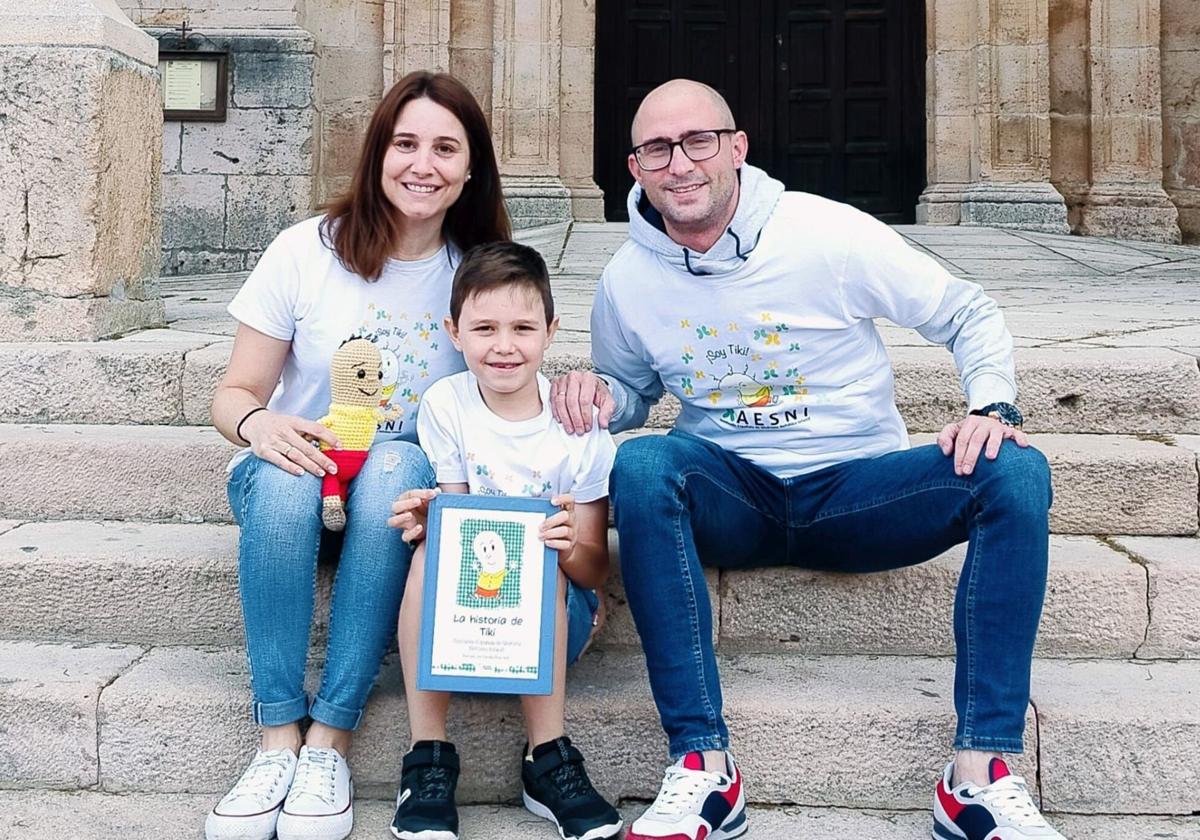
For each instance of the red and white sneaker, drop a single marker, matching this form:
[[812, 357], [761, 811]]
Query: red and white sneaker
[[694, 804], [1003, 810]]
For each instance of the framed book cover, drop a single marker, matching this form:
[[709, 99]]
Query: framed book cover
[[487, 613]]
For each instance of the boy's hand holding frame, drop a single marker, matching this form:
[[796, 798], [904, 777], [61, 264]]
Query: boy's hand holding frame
[[411, 513]]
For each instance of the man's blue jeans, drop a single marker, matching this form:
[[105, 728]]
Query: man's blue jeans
[[280, 517], [681, 501]]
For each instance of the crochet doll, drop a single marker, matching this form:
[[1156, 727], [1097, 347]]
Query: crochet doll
[[355, 379]]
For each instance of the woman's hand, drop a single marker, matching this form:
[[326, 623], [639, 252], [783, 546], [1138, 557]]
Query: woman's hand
[[558, 531], [411, 511], [286, 441]]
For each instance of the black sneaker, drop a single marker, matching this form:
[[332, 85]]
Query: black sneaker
[[425, 807], [557, 788]]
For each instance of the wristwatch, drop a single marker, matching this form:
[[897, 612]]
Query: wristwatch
[[1006, 413]]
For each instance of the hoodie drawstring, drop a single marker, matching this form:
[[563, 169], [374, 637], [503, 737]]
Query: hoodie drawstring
[[737, 243], [737, 249], [687, 263]]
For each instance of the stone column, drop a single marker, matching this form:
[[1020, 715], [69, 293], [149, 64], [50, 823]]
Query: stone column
[[349, 36], [989, 83], [1181, 112], [576, 137], [80, 154], [416, 36], [1126, 196], [526, 109]]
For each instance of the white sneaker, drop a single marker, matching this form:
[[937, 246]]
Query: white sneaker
[[320, 805], [1003, 810], [250, 809], [695, 804]]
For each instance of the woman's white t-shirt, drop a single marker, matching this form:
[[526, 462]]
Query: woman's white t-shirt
[[300, 292]]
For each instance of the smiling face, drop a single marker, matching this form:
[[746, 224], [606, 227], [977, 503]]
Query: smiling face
[[489, 551], [427, 163], [502, 334], [355, 374], [696, 199]]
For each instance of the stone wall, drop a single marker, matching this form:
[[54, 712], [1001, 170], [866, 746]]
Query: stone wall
[[1041, 113], [79, 164], [349, 84], [530, 64], [1181, 111], [230, 187]]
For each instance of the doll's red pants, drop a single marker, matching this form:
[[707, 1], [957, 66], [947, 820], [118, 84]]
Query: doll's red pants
[[349, 462]]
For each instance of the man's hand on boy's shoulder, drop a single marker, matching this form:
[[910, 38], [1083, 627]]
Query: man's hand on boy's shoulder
[[572, 397]]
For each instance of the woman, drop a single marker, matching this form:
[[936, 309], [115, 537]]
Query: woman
[[377, 265]]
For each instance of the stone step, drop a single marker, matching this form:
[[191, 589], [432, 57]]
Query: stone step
[[172, 584], [169, 376], [1103, 484], [853, 731], [59, 815]]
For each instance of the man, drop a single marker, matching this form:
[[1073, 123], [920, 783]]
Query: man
[[754, 306]]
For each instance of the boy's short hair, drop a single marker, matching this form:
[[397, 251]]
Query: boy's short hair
[[496, 264]]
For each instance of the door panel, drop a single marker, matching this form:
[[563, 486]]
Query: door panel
[[830, 92]]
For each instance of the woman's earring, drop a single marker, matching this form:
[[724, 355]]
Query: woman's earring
[[468, 176]]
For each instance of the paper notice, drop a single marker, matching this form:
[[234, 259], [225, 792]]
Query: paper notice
[[183, 89]]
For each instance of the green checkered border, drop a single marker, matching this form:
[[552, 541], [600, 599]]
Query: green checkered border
[[513, 536]]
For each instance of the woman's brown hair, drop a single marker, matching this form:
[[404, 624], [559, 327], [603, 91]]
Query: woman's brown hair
[[362, 226]]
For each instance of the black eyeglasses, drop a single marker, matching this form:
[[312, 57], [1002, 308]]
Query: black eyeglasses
[[698, 146]]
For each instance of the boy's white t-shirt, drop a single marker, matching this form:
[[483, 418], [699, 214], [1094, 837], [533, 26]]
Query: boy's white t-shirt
[[300, 292], [468, 443]]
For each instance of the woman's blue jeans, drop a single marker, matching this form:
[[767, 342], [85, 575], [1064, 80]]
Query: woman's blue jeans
[[680, 501], [280, 518]]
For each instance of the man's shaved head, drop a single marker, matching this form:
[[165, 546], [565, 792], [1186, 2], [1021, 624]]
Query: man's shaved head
[[675, 91]]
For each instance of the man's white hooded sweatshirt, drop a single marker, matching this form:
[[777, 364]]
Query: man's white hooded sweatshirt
[[768, 338]]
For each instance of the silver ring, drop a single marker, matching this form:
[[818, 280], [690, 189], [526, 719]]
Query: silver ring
[[287, 452]]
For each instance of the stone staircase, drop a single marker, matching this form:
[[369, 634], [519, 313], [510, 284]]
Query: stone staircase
[[124, 694]]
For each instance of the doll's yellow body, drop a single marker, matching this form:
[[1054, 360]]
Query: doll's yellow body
[[355, 380]]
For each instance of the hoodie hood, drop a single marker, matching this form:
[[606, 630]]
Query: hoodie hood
[[759, 193]]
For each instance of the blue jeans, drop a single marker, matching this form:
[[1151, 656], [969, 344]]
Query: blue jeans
[[280, 518], [680, 501], [581, 612]]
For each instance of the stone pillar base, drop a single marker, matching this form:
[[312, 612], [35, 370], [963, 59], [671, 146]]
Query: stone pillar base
[[535, 200], [1187, 201], [940, 204], [1129, 211], [32, 317], [1024, 206], [587, 203]]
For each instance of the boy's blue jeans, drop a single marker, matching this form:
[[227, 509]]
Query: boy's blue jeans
[[680, 501], [280, 518]]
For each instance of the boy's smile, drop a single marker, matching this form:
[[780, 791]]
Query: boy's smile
[[503, 336]]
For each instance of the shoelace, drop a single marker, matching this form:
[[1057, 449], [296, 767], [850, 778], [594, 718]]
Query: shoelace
[[314, 776], [1010, 798], [681, 788], [433, 783], [570, 780], [260, 778]]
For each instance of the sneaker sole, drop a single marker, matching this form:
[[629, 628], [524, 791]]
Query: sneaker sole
[[602, 832], [427, 834], [324, 827], [257, 827]]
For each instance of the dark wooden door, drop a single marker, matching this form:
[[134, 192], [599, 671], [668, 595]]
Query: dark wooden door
[[830, 92]]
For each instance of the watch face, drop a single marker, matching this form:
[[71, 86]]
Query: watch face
[[1008, 413]]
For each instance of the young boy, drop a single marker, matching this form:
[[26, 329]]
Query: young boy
[[490, 430]]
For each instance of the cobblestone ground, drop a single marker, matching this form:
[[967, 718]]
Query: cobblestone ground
[[1055, 290]]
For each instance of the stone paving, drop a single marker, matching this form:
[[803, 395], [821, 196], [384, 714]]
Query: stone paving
[[1055, 290]]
